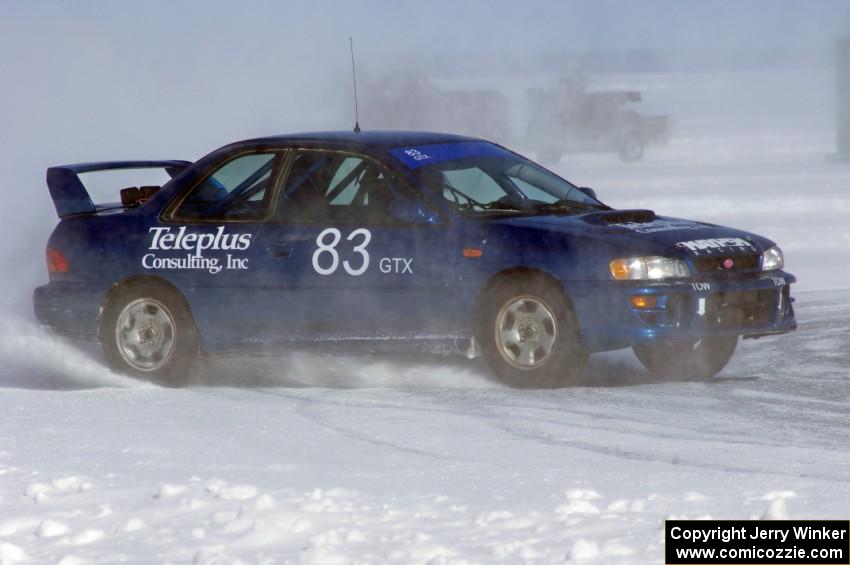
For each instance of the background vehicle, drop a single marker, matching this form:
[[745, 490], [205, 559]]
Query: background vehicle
[[570, 118], [408, 100], [402, 237]]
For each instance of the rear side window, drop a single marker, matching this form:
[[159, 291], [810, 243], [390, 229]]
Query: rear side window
[[338, 188], [239, 190]]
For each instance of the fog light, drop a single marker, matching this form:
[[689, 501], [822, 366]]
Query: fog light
[[644, 302]]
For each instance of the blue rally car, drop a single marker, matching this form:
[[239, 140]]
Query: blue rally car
[[397, 237]]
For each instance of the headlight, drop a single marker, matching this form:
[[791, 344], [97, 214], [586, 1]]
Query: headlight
[[772, 259], [648, 268]]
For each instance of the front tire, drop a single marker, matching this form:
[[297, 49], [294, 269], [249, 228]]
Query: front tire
[[529, 334], [148, 332], [700, 359]]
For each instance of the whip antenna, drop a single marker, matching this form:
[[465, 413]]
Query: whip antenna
[[354, 80]]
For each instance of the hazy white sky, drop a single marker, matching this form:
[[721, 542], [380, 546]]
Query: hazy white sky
[[408, 26], [80, 76], [69, 65]]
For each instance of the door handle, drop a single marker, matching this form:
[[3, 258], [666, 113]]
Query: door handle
[[283, 250]]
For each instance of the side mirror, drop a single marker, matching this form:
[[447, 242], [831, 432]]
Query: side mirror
[[589, 191], [409, 212]]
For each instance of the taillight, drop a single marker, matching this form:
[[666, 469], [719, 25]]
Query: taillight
[[56, 262]]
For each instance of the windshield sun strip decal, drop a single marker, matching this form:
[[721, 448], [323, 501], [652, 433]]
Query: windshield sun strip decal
[[415, 157]]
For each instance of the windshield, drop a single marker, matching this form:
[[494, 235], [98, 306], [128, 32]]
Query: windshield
[[480, 178]]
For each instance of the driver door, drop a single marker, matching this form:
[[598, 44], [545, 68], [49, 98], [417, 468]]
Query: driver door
[[347, 264]]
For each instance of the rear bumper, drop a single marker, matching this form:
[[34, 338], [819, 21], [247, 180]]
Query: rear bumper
[[69, 309], [751, 307]]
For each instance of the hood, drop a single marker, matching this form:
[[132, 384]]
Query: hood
[[638, 232]]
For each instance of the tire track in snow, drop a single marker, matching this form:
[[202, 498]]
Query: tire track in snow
[[310, 411], [508, 425], [633, 455]]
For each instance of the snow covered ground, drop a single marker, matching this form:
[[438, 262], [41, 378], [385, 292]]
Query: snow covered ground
[[312, 458]]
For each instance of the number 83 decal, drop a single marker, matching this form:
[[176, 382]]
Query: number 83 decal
[[326, 243]]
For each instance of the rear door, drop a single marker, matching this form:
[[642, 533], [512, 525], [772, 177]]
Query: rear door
[[207, 244]]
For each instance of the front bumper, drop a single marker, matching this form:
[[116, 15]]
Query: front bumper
[[749, 307], [69, 309]]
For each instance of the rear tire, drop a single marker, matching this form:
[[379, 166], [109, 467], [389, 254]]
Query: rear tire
[[700, 360], [148, 332], [529, 334]]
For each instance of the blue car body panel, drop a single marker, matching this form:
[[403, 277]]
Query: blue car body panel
[[262, 281]]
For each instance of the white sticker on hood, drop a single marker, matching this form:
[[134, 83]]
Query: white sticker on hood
[[717, 245], [659, 226]]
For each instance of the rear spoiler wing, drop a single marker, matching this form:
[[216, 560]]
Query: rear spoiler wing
[[70, 196]]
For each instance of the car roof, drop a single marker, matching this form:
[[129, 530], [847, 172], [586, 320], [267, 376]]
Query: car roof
[[373, 138], [370, 142]]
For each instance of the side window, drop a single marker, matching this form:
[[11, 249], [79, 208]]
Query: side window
[[345, 183], [238, 190], [337, 188], [472, 182]]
